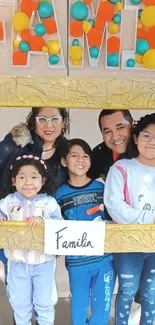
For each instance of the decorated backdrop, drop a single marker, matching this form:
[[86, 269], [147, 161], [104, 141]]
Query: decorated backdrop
[[77, 53]]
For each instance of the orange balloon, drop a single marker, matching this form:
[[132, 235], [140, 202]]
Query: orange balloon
[[25, 35], [50, 24], [106, 11], [113, 44], [76, 29], [149, 2], [19, 58], [99, 23], [94, 37], [1, 32], [141, 33], [151, 37], [28, 6], [36, 43], [87, 2]]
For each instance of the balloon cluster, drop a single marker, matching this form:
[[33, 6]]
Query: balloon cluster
[[145, 43], [108, 11], [29, 39]]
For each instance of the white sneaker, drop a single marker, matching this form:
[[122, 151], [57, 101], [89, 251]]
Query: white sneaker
[[134, 318]]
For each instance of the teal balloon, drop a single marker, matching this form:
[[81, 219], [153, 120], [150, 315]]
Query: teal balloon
[[140, 13], [136, 2], [114, 1], [94, 52], [40, 29], [117, 19], [53, 59], [79, 10], [91, 21], [45, 10], [142, 46], [24, 46], [130, 63], [75, 42], [112, 59]]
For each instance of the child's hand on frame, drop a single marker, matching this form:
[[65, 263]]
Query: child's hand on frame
[[34, 221], [2, 219]]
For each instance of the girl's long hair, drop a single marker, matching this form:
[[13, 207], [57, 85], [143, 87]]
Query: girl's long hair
[[139, 126]]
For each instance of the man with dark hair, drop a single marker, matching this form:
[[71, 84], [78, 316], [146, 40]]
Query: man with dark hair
[[115, 126]]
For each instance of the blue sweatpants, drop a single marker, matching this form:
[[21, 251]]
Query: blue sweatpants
[[32, 287], [94, 288], [4, 261]]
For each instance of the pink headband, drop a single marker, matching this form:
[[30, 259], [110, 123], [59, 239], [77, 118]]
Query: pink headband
[[30, 157]]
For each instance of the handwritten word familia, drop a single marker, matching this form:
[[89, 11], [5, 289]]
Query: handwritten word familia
[[80, 242]]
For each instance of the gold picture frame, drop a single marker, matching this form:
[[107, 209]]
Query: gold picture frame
[[77, 92], [118, 238]]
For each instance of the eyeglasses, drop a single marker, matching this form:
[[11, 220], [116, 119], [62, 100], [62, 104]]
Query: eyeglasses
[[44, 120], [146, 137]]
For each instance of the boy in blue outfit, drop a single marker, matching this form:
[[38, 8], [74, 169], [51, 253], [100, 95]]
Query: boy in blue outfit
[[92, 278]]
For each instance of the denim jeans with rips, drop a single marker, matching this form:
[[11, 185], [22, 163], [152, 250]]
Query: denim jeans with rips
[[135, 271]]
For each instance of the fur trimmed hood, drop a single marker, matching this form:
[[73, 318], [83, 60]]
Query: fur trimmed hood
[[20, 141], [21, 135]]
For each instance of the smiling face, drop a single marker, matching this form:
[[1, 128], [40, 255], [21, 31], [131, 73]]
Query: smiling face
[[50, 131], [146, 145], [116, 131], [77, 161], [28, 181]]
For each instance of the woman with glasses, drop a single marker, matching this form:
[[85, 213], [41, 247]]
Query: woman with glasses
[[130, 199], [43, 134]]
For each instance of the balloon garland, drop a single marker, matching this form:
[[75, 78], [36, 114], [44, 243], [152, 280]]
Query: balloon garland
[[42, 37]]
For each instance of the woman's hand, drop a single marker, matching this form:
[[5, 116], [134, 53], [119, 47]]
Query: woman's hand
[[2, 219], [34, 221]]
